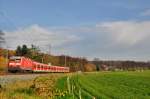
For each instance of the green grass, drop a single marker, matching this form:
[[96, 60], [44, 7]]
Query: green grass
[[109, 85], [98, 85]]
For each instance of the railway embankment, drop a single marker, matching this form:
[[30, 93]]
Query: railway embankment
[[10, 78]]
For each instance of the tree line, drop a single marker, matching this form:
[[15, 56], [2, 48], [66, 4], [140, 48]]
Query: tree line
[[121, 65], [75, 63]]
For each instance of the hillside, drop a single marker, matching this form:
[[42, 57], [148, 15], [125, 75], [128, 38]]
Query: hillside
[[75, 63]]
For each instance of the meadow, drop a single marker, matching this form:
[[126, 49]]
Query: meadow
[[110, 85], [94, 85]]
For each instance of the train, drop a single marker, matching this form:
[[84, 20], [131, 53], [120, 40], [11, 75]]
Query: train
[[24, 64]]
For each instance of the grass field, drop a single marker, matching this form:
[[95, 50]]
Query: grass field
[[109, 85], [96, 85]]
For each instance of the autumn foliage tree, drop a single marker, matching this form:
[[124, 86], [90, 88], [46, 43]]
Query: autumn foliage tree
[[89, 67]]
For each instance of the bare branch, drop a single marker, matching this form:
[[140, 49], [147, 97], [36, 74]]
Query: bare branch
[[2, 40]]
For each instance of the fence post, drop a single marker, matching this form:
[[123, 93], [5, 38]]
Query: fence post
[[68, 83], [80, 94]]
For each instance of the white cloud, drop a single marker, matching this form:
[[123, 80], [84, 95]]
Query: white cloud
[[38, 35], [127, 32], [109, 40]]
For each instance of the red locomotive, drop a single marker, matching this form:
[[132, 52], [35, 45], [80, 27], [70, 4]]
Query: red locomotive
[[23, 64]]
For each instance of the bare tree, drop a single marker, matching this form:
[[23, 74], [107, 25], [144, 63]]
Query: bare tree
[[2, 40]]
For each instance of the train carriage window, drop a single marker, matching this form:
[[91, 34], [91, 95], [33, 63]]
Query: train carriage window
[[42, 67], [38, 66], [34, 66], [51, 68]]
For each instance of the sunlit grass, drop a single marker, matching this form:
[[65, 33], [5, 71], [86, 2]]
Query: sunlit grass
[[107, 85], [42, 87]]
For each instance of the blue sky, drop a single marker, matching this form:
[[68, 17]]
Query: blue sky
[[71, 12], [108, 29]]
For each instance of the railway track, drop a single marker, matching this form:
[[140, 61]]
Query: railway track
[[27, 73]]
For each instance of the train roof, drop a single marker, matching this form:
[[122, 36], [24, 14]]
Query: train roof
[[48, 65]]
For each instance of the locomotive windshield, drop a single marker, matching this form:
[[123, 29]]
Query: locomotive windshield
[[15, 59]]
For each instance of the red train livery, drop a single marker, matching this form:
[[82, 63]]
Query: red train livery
[[23, 64]]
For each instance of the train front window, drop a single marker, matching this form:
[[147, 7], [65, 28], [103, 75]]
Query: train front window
[[17, 60]]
